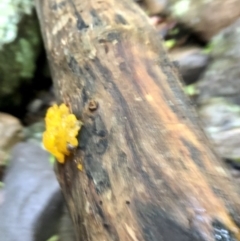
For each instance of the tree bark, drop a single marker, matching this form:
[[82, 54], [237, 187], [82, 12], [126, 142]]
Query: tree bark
[[149, 172]]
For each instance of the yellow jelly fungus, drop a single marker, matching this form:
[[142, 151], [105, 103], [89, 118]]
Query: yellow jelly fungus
[[79, 167], [61, 130]]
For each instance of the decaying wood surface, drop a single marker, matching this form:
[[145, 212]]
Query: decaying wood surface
[[149, 172]]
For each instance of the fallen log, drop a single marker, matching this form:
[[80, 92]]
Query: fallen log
[[149, 172]]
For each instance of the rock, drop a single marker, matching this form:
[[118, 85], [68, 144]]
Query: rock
[[33, 133], [37, 108], [20, 43], [162, 25], [206, 18], [222, 78], [153, 7], [11, 132], [192, 62], [33, 203], [221, 121]]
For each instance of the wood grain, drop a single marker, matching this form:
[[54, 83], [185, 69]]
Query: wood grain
[[149, 171]]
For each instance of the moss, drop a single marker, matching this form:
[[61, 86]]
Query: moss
[[19, 48], [11, 12], [208, 48], [24, 57]]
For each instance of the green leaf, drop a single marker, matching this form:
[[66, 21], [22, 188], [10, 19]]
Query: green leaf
[[208, 49], [190, 90], [169, 43], [51, 159], [53, 238]]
